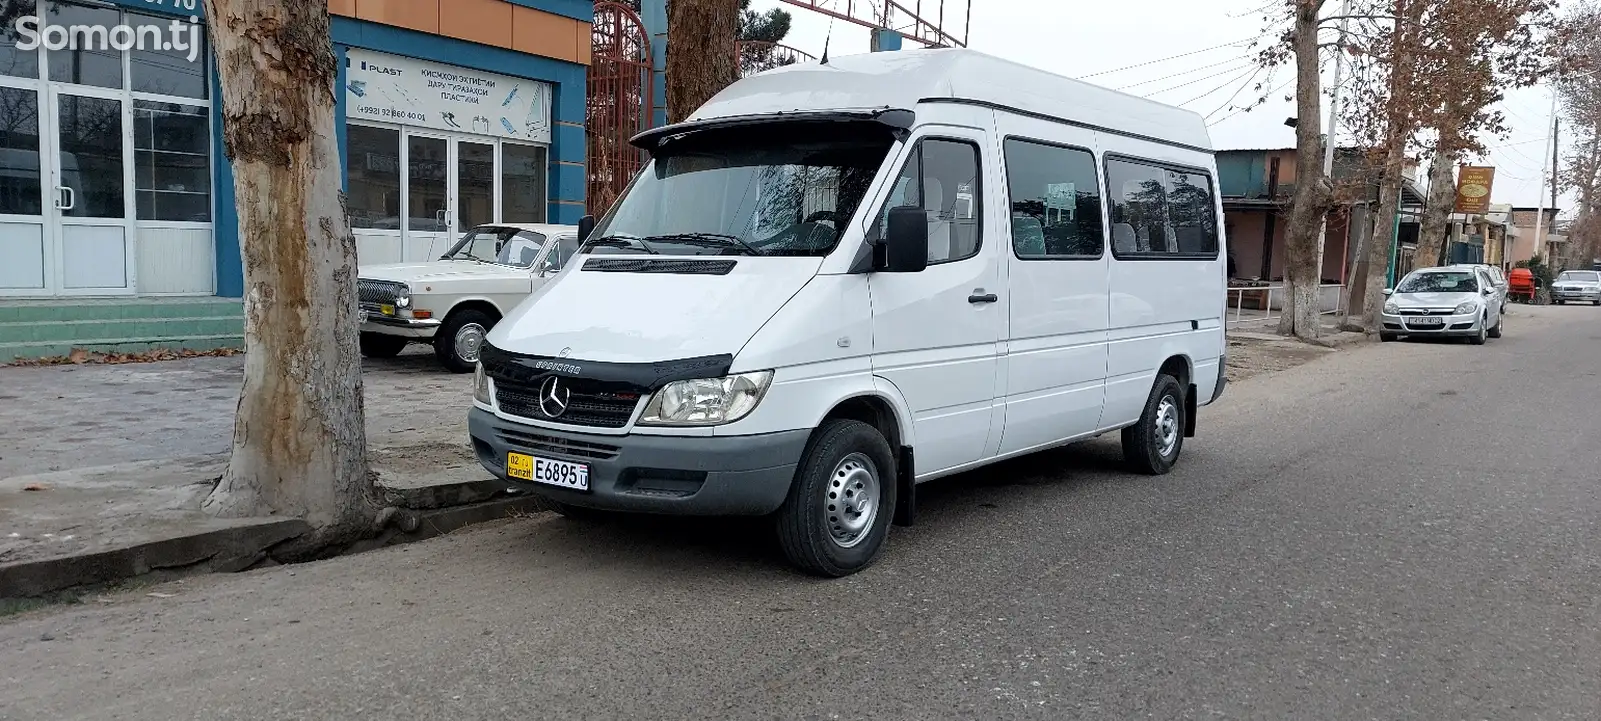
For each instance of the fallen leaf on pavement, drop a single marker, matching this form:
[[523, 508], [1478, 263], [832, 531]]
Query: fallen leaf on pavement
[[36, 487]]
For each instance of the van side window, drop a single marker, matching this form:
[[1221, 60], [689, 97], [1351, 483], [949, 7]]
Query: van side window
[[941, 177], [1056, 201], [1161, 212]]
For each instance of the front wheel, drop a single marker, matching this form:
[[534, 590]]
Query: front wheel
[[378, 345], [1388, 337], [1479, 337], [841, 502], [1152, 445], [460, 338]]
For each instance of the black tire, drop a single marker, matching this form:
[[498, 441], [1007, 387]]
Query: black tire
[[378, 345], [1496, 331], [445, 339], [1560, 302], [1388, 337], [1141, 449], [1595, 302], [805, 524], [1484, 333]]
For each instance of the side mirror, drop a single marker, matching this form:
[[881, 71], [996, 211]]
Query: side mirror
[[905, 240], [586, 225], [1388, 291], [1488, 291]]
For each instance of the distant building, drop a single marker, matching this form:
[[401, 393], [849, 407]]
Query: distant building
[[1524, 244]]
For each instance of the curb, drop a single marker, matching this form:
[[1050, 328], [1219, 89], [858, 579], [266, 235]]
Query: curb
[[225, 550]]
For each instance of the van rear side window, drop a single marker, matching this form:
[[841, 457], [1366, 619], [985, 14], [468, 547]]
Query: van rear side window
[[1161, 212], [1056, 201]]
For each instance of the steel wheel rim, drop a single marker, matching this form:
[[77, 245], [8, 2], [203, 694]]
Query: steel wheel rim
[[850, 500], [1167, 425], [468, 342]]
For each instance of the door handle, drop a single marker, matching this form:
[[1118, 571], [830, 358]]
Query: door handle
[[439, 218], [69, 195], [983, 298]]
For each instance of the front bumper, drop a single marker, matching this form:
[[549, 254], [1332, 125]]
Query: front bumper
[[1465, 324], [1585, 294], [681, 475], [398, 326]]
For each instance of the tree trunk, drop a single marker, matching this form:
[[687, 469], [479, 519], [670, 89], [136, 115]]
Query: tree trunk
[[299, 442], [1442, 200], [1309, 208], [700, 53], [1379, 248]]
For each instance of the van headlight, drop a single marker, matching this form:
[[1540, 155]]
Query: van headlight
[[706, 401], [1467, 306], [481, 385]]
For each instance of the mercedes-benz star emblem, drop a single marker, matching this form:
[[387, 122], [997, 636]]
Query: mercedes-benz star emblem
[[553, 397], [565, 352]]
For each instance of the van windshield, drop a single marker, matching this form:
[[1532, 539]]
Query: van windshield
[[779, 189]]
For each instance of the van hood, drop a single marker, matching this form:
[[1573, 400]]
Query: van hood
[[651, 315]]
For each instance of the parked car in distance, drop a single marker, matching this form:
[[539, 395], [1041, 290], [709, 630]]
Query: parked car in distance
[[1577, 285], [833, 283], [1455, 301], [454, 301]]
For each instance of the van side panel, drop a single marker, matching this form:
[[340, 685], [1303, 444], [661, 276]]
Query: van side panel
[[1055, 356], [1160, 308]]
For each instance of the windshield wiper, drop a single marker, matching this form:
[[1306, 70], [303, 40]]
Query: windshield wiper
[[719, 239], [622, 241]]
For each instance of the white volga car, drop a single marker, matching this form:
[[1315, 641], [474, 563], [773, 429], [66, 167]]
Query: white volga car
[[452, 302]]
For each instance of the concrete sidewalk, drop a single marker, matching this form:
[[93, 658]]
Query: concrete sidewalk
[[103, 467]]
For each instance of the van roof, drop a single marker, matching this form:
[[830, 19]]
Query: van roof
[[904, 78]]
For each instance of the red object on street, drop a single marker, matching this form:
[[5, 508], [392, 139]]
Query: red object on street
[[1520, 285]]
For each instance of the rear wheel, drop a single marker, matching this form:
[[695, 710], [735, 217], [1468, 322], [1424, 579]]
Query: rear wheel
[[378, 345], [1496, 331], [460, 338], [1152, 445], [841, 502]]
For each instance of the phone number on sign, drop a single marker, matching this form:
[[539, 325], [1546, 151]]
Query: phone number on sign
[[393, 113]]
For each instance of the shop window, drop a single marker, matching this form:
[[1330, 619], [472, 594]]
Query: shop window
[[20, 190], [372, 167], [522, 183], [172, 161], [170, 71], [101, 66], [14, 62]]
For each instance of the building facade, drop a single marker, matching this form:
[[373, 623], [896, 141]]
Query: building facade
[[115, 186]]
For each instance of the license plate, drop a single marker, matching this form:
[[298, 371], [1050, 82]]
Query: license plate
[[386, 309], [1424, 322], [548, 471]]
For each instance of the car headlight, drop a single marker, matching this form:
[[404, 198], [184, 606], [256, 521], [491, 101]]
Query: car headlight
[[1467, 306], [404, 300], [481, 385], [1391, 308], [706, 401]]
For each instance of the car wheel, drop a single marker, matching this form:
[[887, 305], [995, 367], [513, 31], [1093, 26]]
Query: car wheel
[[1496, 331], [841, 502], [1479, 337], [1560, 302], [459, 339], [1152, 445], [378, 345], [1389, 337]]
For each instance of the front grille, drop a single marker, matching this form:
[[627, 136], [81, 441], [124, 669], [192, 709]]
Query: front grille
[[1427, 311], [376, 292], [538, 443], [642, 265], [591, 403]]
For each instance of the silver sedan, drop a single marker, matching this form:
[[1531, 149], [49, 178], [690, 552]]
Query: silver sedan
[[1580, 286], [1456, 302]]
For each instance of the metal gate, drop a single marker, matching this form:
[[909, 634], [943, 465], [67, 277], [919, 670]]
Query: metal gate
[[619, 101]]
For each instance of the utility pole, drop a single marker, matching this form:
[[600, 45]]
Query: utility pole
[[1328, 150], [1539, 213]]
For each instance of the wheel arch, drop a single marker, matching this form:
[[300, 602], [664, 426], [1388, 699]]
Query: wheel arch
[[886, 412], [1181, 366]]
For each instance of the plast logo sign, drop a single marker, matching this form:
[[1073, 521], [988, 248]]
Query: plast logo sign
[[179, 35]]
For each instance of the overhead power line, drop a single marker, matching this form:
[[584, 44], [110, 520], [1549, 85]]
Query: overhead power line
[[1182, 73], [1187, 83], [1174, 57]]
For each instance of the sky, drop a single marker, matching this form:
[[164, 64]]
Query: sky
[[1080, 38]]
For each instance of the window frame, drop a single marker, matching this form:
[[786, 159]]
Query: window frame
[[916, 154], [1101, 186], [1165, 166]]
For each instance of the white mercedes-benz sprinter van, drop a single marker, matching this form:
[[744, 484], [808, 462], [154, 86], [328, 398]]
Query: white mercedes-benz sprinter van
[[835, 282]]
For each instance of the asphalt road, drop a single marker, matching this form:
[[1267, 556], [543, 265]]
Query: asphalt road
[[1400, 531]]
